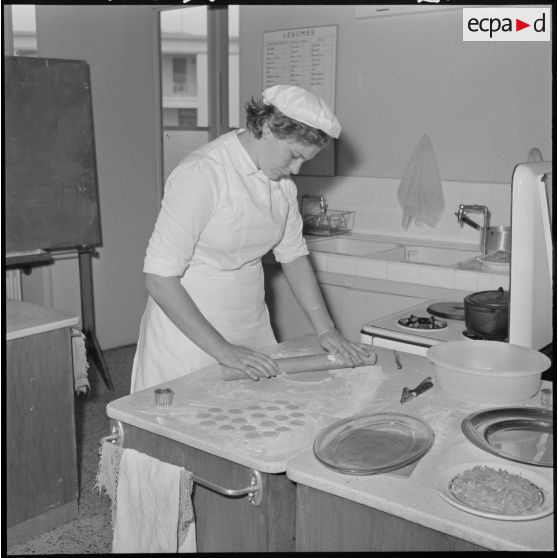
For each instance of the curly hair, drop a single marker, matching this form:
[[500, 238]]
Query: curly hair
[[280, 125]]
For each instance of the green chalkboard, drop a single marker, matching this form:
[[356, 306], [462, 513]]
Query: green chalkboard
[[50, 176]]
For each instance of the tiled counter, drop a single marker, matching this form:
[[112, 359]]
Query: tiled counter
[[469, 276]]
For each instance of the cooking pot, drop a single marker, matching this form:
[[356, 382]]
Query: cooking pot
[[486, 314], [498, 239]]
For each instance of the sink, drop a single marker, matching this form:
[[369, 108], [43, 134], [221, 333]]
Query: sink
[[348, 246], [428, 255]]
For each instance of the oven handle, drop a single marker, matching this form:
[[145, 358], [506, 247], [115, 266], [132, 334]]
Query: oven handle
[[387, 337]]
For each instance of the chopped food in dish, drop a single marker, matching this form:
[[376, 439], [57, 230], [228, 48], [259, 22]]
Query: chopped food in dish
[[496, 490]]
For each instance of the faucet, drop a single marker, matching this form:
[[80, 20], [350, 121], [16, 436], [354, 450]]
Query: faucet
[[462, 218], [316, 198], [319, 219], [310, 203]]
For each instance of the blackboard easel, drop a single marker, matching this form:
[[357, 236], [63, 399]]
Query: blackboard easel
[[93, 348], [51, 193]]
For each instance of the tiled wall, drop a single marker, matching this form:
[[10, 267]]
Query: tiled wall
[[377, 209]]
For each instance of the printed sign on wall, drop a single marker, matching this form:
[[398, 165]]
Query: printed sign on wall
[[303, 57]]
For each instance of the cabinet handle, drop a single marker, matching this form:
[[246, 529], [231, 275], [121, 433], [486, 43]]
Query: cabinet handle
[[254, 491]]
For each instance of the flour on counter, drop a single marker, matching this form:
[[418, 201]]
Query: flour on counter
[[275, 416]]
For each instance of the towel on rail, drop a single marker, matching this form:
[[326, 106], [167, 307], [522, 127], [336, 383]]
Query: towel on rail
[[420, 193], [80, 364], [151, 502]]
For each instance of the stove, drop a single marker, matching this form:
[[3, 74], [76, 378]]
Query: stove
[[415, 329]]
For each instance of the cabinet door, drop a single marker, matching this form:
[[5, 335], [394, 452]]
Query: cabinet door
[[227, 524], [41, 442], [288, 320], [351, 308]]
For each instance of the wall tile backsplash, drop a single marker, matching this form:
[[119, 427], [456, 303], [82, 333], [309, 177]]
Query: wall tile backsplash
[[378, 211]]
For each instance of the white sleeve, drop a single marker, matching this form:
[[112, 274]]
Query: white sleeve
[[188, 203], [293, 244]]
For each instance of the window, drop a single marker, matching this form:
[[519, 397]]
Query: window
[[23, 29], [186, 97], [187, 118], [184, 77]]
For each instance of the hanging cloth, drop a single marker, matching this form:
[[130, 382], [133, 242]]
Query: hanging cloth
[[151, 502], [80, 364], [420, 193]]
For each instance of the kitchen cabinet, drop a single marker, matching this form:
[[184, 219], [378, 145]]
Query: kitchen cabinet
[[266, 423], [41, 463], [403, 510], [225, 524], [353, 307], [288, 320], [329, 523], [349, 307], [305, 505]]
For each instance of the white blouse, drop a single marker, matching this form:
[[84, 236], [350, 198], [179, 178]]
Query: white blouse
[[220, 211]]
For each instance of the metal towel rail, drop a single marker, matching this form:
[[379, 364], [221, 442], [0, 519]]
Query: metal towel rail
[[254, 491]]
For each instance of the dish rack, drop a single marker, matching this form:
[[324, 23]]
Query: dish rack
[[319, 220]]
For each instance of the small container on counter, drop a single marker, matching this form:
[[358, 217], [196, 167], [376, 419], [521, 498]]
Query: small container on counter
[[163, 398]]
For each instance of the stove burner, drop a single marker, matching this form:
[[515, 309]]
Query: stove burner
[[475, 337], [422, 322]]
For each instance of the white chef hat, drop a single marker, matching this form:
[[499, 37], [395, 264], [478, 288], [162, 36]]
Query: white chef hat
[[299, 104]]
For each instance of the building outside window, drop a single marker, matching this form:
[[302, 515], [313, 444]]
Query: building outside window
[[184, 78]]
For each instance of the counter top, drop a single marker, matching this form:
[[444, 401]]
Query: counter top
[[415, 497], [270, 425], [24, 319], [263, 424], [468, 275]]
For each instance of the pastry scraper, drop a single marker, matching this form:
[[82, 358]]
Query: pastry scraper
[[304, 363]]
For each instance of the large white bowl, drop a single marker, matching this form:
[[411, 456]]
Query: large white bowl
[[487, 371]]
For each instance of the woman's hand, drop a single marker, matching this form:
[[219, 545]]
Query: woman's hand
[[334, 343], [255, 365]]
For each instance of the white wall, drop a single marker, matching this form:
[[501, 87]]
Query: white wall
[[483, 104], [120, 45]]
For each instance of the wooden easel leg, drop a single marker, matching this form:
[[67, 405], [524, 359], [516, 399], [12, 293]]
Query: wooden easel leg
[[88, 314]]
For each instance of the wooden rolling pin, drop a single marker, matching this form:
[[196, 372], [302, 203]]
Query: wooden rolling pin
[[306, 363]]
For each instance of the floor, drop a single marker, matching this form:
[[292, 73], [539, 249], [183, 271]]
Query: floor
[[91, 533]]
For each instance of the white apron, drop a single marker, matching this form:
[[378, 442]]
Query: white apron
[[232, 300]]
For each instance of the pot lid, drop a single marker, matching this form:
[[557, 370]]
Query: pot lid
[[448, 310], [491, 299]]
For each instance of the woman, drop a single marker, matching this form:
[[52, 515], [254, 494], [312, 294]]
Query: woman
[[225, 206]]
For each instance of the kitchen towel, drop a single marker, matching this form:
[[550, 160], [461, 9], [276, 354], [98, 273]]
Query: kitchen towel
[[79, 356], [420, 193], [151, 502]]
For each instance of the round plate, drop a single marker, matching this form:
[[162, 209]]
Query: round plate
[[521, 434], [547, 505], [371, 444], [448, 310]]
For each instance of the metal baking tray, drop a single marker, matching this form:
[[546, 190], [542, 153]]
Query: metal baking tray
[[522, 434]]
